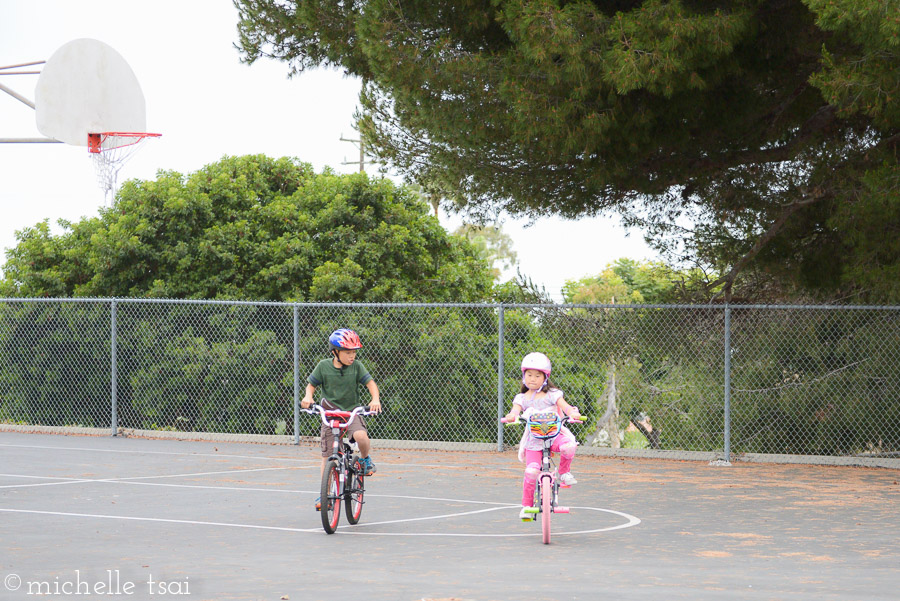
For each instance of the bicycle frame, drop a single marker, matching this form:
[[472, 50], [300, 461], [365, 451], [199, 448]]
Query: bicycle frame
[[338, 420], [343, 479]]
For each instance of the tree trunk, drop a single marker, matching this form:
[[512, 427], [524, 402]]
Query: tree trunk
[[642, 423], [612, 411], [609, 420]]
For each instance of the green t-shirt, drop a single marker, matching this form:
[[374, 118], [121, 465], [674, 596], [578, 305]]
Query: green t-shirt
[[339, 386]]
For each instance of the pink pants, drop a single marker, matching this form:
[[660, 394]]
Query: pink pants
[[562, 445]]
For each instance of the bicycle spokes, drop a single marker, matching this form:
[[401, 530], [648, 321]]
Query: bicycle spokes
[[355, 489]]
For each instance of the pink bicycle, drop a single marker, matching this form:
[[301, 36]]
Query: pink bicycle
[[545, 426], [344, 479]]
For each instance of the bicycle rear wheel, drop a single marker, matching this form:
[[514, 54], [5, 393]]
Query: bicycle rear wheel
[[546, 508], [356, 488], [331, 496]]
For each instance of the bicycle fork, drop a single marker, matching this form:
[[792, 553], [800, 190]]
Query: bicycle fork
[[549, 485]]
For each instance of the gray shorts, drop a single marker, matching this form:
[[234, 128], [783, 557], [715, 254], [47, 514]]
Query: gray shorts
[[358, 425]]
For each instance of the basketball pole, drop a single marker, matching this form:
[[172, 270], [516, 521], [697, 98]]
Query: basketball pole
[[15, 94], [24, 101]]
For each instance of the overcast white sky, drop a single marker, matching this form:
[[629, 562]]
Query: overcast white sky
[[207, 104]]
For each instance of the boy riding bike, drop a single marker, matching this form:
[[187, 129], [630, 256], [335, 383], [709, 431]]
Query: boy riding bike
[[340, 378]]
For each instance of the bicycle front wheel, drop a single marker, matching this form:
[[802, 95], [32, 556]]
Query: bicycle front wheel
[[331, 496], [546, 508], [356, 488]]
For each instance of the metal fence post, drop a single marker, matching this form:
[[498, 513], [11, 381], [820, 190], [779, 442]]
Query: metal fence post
[[727, 383], [296, 375], [112, 361], [500, 378]]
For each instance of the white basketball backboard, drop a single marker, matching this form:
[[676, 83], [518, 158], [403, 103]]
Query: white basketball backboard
[[87, 87]]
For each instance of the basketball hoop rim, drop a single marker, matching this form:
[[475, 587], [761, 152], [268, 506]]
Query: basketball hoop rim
[[96, 139]]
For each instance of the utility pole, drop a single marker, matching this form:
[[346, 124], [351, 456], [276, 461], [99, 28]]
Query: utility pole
[[362, 154]]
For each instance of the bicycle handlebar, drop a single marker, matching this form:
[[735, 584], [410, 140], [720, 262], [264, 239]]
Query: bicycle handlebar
[[565, 419], [348, 415]]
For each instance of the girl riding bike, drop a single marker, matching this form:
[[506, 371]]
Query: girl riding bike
[[539, 394]]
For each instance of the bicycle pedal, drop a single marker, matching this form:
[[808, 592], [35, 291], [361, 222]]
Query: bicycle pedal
[[561, 510], [565, 486]]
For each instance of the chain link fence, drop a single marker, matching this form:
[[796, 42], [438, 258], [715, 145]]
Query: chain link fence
[[802, 381]]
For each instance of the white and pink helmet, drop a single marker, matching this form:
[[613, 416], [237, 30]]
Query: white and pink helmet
[[538, 361]]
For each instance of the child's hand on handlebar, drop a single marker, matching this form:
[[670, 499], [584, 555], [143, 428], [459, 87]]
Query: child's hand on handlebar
[[375, 406], [306, 403]]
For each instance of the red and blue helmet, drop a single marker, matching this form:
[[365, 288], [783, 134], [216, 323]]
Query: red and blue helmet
[[344, 339]]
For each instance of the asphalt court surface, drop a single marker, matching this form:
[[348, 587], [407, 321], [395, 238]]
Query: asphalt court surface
[[127, 518]]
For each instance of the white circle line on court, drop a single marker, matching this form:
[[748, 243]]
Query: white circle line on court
[[630, 521], [357, 529], [133, 480]]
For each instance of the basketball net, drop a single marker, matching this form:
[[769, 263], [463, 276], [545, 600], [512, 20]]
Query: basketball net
[[109, 151]]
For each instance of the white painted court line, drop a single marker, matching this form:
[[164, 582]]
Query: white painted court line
[[66, 481], [130, 479], [146, 519], [139, 452], [437, 517], [216, 473], [229, 488], [357, 529], [315, 461], [169, 485], [630, 521], [414, 498]]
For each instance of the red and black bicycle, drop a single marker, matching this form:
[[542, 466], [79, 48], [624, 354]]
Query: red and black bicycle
[[343, 479]]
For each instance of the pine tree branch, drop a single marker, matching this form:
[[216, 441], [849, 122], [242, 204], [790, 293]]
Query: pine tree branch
[[776, 227]]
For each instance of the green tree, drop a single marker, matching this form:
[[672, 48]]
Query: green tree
[[253, 227], [761, 122], [494, 245], [816, 382], [627, 281]]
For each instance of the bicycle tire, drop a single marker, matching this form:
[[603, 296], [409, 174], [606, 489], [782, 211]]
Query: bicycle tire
[[356, 489], [331, 496], [546, 508]]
